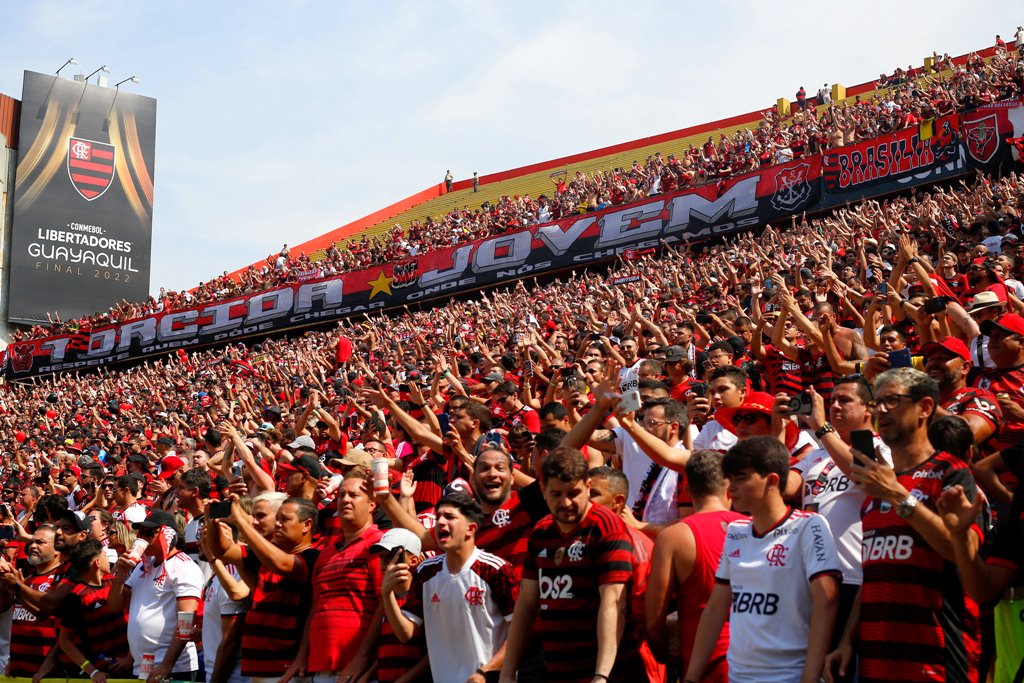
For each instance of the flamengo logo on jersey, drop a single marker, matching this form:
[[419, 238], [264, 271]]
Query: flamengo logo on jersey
[[575, 551], [755, 603], [776, 555], [475, 596], [888, 548], [501, 517]]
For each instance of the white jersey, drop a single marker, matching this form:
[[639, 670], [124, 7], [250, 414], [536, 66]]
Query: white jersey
[[134, 513], [153, 612], [714, 437], [770, 577], [629, 378], [217, 604], [635, 463], [832, 495], [465, 616]]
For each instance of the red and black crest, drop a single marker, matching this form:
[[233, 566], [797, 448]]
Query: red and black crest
[[982, 136], [21, 356], [90, 166]]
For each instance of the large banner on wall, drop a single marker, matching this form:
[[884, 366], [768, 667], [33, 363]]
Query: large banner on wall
[[735, 204], [83, 199], [988, 130], [893, 163]]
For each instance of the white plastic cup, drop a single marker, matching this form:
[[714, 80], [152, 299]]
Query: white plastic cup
[[138, 547], [334, 483], [379, 468], [148, 664], [185, 625]]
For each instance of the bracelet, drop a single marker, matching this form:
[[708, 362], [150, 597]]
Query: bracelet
[[597, 675], [480, 671], [83, 665], [94, 672]]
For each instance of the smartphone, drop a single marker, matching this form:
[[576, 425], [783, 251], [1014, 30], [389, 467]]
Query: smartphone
[[864, 441], [882, 289], [5, 510], [568, 371], [219, 510], [801, 404], [396, 552], [236, 469], [6, 533], [899, 359], [699, 390], [630, 401], [703, 318], [935, 305], [404, 388]]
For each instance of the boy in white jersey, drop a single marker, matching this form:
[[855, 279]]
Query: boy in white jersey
[[779, 576]]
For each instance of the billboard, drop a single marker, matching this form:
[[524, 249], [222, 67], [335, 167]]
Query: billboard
[[686, 216], [83, 199]]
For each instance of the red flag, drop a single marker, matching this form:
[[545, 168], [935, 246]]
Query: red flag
[[344, 351]]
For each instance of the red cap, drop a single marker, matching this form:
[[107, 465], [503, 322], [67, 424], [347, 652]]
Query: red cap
[[170, 465], [1011, 322], [951, 344]]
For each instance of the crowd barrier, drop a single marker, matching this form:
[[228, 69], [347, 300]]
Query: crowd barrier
[[938, 149]]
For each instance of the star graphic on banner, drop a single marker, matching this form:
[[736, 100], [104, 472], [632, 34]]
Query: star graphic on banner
[[381, 284]]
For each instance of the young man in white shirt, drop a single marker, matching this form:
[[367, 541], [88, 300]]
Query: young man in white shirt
[[778, 579], [463, 599]]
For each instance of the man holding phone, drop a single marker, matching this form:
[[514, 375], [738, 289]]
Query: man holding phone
[[911, 598]]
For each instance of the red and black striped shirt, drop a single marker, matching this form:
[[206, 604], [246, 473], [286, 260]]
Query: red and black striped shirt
[[569, 570], [395, 658], [94, 630], [273, 626], [916, 621], [32, 638], [781, 374], [506, 533]]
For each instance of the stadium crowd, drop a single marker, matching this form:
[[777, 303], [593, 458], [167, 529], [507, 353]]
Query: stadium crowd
[[905, 99], [789, 455]]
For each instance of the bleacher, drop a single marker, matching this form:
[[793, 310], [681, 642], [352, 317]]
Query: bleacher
[[536, 179]]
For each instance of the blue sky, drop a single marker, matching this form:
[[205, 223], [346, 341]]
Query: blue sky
[[278, 121]]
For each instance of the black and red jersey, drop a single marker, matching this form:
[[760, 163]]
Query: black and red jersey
[[32, 638], [273, 625], [99, 633], [569, 570], [506, 533], [916, 621], [781, 374], [979, 402], [1010, 382], [817, 372]]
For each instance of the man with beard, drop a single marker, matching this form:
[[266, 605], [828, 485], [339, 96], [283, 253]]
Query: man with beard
[[948, 362], [576, 579], [1006, 379], [911, 599], [33, 637]]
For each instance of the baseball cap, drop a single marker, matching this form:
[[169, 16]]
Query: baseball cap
[[78, 519], [138, 457], [157, 519], [493, 377], [951, 344], [165, 440], [1011, 322], [674, 354], [357, 457], [169, 466], [306, 464], [303, 442], [398, 537]]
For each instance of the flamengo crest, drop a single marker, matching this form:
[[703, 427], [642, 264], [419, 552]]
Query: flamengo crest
[[791, 188], [982, 137], [90, 166]]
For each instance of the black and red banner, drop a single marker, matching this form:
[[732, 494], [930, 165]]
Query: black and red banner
[[83, 199], [988, 133], [892, 163], [739, 203]]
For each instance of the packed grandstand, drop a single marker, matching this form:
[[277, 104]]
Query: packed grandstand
[[577, 469]]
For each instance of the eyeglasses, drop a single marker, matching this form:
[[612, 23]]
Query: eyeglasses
[[889, 402], [651, 424], [747, 418]]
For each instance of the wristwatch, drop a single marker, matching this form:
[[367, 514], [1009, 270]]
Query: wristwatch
[[826, 428], [906, 508]]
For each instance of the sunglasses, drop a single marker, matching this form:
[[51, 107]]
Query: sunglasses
[[747, 418]]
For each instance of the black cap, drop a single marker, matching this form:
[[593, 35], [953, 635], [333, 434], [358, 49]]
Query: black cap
[[78, 519], [165, 440], [138, 457], [304, 463], [157, 519]]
